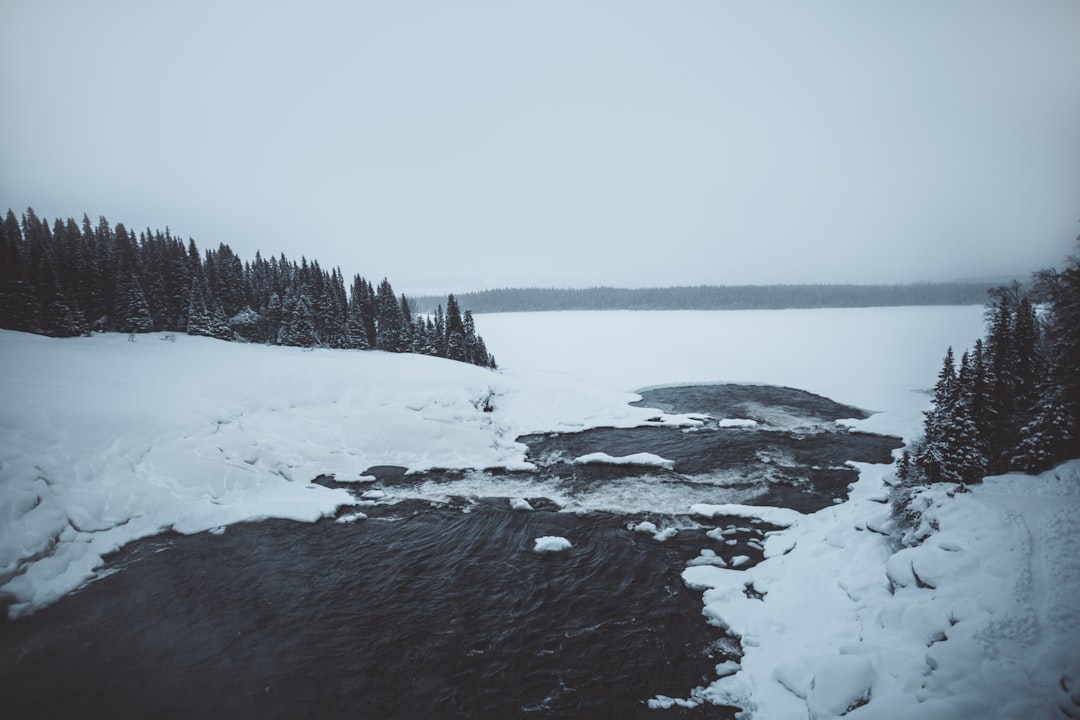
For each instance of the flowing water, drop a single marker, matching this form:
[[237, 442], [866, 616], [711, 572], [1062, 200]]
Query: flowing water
[[436, 605]]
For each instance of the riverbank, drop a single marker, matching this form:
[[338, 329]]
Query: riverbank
[[976, 618]]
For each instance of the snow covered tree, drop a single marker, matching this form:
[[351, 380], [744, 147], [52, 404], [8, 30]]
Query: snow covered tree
[[1050, 436], [274, 314], [247, 325], [456, 345], [964, 453], [388, 323], [930, 457], [297, 325], [132, 312]]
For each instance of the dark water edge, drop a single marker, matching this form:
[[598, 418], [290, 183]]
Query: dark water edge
[[435, 613], [441, 608], [795, 457], [762, 403]]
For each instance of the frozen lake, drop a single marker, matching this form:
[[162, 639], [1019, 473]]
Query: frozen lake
[[868, 357]]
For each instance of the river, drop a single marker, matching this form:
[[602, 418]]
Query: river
[[434, 602]]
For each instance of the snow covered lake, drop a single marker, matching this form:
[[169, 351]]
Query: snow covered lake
[[106, 442]]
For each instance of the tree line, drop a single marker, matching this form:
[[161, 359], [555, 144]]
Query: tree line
[[1013, 401], [720, 297], [72, 278]]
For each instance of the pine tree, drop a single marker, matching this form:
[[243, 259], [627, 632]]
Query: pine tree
[[132, 313], [930, 459], [440, 332], [1050, 436], [388, 319], [964, 452], [199, 319], [1002, 366], [456, 346], [407, 340], [358, 332], [469, 325], [273, 318], [903, 467], [297, 324], [335, 330]]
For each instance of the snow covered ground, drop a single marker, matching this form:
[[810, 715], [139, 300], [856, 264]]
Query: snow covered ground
[[981, 619], [103, 441]]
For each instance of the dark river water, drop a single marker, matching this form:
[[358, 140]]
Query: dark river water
[[437, 605]]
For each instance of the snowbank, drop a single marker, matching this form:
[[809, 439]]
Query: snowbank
[[980, 620], [643, 458], [736, 423]]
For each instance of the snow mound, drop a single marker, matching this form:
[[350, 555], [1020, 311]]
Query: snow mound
[[737, 422], [707, 557], [642, 458], [351, 518], [840, 684], [782, 517], [551, 544], [658, 535]]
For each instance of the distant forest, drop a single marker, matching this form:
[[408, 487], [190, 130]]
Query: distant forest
[[718, 297], [72, 278]]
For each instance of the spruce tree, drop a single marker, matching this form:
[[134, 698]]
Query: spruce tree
[[358, 332], [1050, 436], [199, 320], [964, 452], [273, 318], [930, 455], [388, 319], [132, 313], [456, 347]]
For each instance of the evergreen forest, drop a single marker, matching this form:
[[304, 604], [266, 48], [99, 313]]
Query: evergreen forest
[[1013, 401], [72, 278]]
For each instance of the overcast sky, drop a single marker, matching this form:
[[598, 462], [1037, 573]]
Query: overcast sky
[[454, 146]]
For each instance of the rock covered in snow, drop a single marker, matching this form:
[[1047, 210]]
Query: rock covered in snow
[[520, 504], [642, 458], [551, 544]]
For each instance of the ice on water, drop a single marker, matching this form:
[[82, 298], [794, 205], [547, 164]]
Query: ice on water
[[551, 544]]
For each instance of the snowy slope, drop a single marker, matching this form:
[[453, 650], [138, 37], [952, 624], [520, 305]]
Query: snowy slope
[[982, 619]]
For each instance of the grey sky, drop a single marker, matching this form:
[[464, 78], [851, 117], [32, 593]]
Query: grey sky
[[459, 145]]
